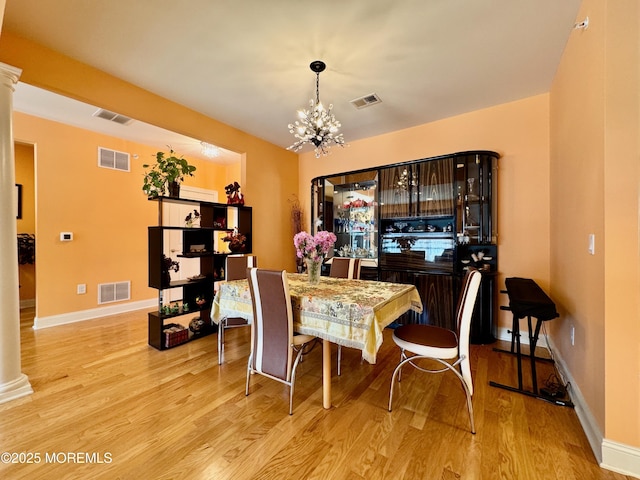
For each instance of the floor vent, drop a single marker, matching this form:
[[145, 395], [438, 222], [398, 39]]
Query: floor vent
[[108, 158], [113, 117], [366, 101], [114, 292]]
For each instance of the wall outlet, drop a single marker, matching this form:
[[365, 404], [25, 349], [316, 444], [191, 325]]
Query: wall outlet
[[573, 335], [81, 289]]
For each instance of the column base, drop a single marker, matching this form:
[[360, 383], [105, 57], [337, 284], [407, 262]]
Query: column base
[[15, 389]]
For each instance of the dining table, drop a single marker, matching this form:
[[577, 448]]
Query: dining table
[[351, 313]]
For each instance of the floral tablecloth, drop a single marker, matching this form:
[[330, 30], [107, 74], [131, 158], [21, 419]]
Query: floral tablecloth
[[352, 313]]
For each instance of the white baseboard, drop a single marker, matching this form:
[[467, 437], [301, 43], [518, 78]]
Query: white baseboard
[[79, 316], [609, 454], [620, 458]]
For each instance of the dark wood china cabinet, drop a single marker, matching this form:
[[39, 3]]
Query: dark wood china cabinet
[[422, 222]]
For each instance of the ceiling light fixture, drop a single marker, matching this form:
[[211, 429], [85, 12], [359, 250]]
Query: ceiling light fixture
[[316, 125], [208, 150]]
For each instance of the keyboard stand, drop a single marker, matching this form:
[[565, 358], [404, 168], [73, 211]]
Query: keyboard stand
[[533, 340]]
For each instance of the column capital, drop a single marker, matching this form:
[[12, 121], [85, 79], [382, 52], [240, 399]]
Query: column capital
[[12, 73]]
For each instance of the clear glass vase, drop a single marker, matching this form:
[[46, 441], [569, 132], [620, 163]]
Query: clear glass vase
[[314, 267]]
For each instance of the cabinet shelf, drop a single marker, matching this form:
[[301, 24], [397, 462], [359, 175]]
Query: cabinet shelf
[[193, 229], [181, 313], [423, 234], [413, 218], [198, 254], [182, 283], [157, 327], [357, 232]]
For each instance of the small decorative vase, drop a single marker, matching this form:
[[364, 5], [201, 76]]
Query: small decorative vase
[[174, 189], [235, 248], [313, 270]]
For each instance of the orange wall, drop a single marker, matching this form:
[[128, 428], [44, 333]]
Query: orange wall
[[26, 224], [595, 177], [519, 131], [105, 209], [269, 172]]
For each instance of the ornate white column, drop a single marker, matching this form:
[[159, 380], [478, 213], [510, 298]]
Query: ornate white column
[[13, 383]]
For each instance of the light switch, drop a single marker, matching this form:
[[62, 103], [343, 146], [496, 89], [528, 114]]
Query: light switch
[[66, 236], [592, 243]]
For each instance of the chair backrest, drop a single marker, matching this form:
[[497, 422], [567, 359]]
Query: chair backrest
[[464, 312], [236, 267], [342, 267], [272, 326]]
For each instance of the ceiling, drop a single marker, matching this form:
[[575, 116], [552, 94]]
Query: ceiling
[[41, 103], [246, 62]]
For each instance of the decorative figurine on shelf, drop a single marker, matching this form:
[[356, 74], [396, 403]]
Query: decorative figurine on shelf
[[236, 240], [196, 325], [167, 265], [192, 219], [405, 243], [200, 301], [234, 195]]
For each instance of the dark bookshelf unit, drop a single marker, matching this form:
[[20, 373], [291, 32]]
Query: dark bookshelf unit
[[203, 243]]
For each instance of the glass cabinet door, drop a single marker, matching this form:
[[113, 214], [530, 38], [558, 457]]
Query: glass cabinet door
[[396, 184], [475, 220], [435, 196], [421, 189], [349, 206]]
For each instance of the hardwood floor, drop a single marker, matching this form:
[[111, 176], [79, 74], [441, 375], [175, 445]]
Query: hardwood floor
[[106, 405]]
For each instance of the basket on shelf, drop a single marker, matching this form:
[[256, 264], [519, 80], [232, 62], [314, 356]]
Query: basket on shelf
[[174, 334]]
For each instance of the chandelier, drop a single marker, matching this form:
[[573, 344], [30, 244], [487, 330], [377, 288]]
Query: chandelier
[[316, 125]]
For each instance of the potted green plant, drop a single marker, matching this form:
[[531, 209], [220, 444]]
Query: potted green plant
[[166, 174]]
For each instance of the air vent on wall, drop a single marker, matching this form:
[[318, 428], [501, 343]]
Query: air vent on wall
[[113, 117], [108, 158], [366, 101], [114, 292]]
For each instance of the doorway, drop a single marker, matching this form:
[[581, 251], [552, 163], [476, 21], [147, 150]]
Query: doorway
[[26, 223]]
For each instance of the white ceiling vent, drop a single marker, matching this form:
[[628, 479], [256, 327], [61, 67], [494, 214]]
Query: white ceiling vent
[[113, 117], [108, 158], [366, 101], [114, 292]]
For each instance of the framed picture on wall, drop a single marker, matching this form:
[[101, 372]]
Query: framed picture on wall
[[19, 200]]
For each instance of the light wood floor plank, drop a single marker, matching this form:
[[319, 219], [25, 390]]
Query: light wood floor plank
[[101, 390]]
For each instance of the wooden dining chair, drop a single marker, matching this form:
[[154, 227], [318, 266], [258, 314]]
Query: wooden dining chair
[[440, 344], [342, 267], [235, 269], [275, 348]]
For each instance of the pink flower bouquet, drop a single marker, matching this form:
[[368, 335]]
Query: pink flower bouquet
[[313, 248]]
